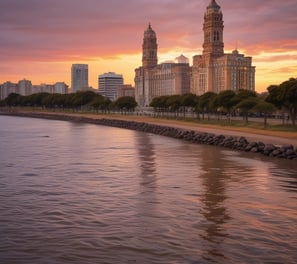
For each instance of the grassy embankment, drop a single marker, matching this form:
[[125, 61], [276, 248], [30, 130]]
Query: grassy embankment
[[275, 127]]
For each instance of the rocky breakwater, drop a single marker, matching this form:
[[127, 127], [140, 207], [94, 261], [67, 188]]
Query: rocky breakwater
[[231, 142]]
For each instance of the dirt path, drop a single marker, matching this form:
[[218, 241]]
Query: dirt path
[[273, 137]]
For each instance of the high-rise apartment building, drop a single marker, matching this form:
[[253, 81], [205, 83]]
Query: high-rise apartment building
[[7, 88], [109, 83], [79, 77], [25, 87], [214, 70]]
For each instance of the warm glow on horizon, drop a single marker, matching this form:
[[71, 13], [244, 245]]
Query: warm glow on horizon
[[268, 71], [109, 39]]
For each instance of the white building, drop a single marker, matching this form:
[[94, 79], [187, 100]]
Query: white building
[[25, 87], [109, 83], [60, 88], [8, 88]]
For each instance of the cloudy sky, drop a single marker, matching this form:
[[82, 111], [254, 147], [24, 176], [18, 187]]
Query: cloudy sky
[[40, 39]]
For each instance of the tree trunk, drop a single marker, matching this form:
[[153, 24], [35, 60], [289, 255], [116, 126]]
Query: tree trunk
[[265, 120]]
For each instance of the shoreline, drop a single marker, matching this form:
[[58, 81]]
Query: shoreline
[[273, 144]]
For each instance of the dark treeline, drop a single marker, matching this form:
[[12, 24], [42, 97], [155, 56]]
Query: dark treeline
[[279, 99], [76, 101]]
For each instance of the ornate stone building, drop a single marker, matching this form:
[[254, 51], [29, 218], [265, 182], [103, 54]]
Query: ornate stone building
[[214, 70], [153, 79]]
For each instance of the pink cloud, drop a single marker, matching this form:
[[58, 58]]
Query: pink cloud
[[65, 30]]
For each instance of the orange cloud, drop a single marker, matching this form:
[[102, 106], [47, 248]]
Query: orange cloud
[[42, 39]]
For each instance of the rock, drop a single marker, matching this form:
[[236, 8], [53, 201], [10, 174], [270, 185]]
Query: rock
[[269, 148]]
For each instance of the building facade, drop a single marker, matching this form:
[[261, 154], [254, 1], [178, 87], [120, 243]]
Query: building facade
[[153, 79], [214, 70], [126, 90], [7, 88], [79, 77], [24, 87], [60, 88], [109, 83]]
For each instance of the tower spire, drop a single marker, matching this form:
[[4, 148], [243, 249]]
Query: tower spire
[[149, 48], [213, 30]]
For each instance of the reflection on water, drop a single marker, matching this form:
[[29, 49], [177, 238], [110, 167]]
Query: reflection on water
[[92, 194], [214, 209], [147, 160]]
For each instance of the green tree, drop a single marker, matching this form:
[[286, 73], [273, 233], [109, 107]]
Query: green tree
[[174, 102], [36, 99], [245, 106], [125, 103], [97, 102], [225, 100], [188, 101], [285, 96], [206, 102], [82, 98], [159, 103], [13, 99], [264, 108]]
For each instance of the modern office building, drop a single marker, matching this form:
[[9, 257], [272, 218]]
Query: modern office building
[[153, 79], [79, 77], [214, 70], [109, 83]]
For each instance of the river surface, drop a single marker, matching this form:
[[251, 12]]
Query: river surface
[[82, 193]]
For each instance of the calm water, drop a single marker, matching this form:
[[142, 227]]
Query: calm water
[[81, 193]]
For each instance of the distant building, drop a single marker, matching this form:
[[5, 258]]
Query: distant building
[[109, 83], [7, 88], [214, 70], [79, 77], [24, 87], [126, 90], [153, 79], [44, 88], [60, 88]]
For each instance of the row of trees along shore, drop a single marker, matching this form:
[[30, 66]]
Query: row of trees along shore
[[279, 99], [82, 100]]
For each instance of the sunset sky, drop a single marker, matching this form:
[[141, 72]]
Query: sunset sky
[[41, 39]]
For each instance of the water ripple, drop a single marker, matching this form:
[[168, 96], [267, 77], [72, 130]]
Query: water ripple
[[123, 196]]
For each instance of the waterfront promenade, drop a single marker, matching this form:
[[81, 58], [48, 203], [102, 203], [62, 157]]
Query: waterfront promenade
[[258, 135]]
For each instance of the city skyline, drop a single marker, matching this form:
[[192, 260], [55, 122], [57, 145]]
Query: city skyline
[[43, 39]]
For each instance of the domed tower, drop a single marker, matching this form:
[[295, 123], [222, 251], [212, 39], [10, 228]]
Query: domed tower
[[213, 30], [149, 48]]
